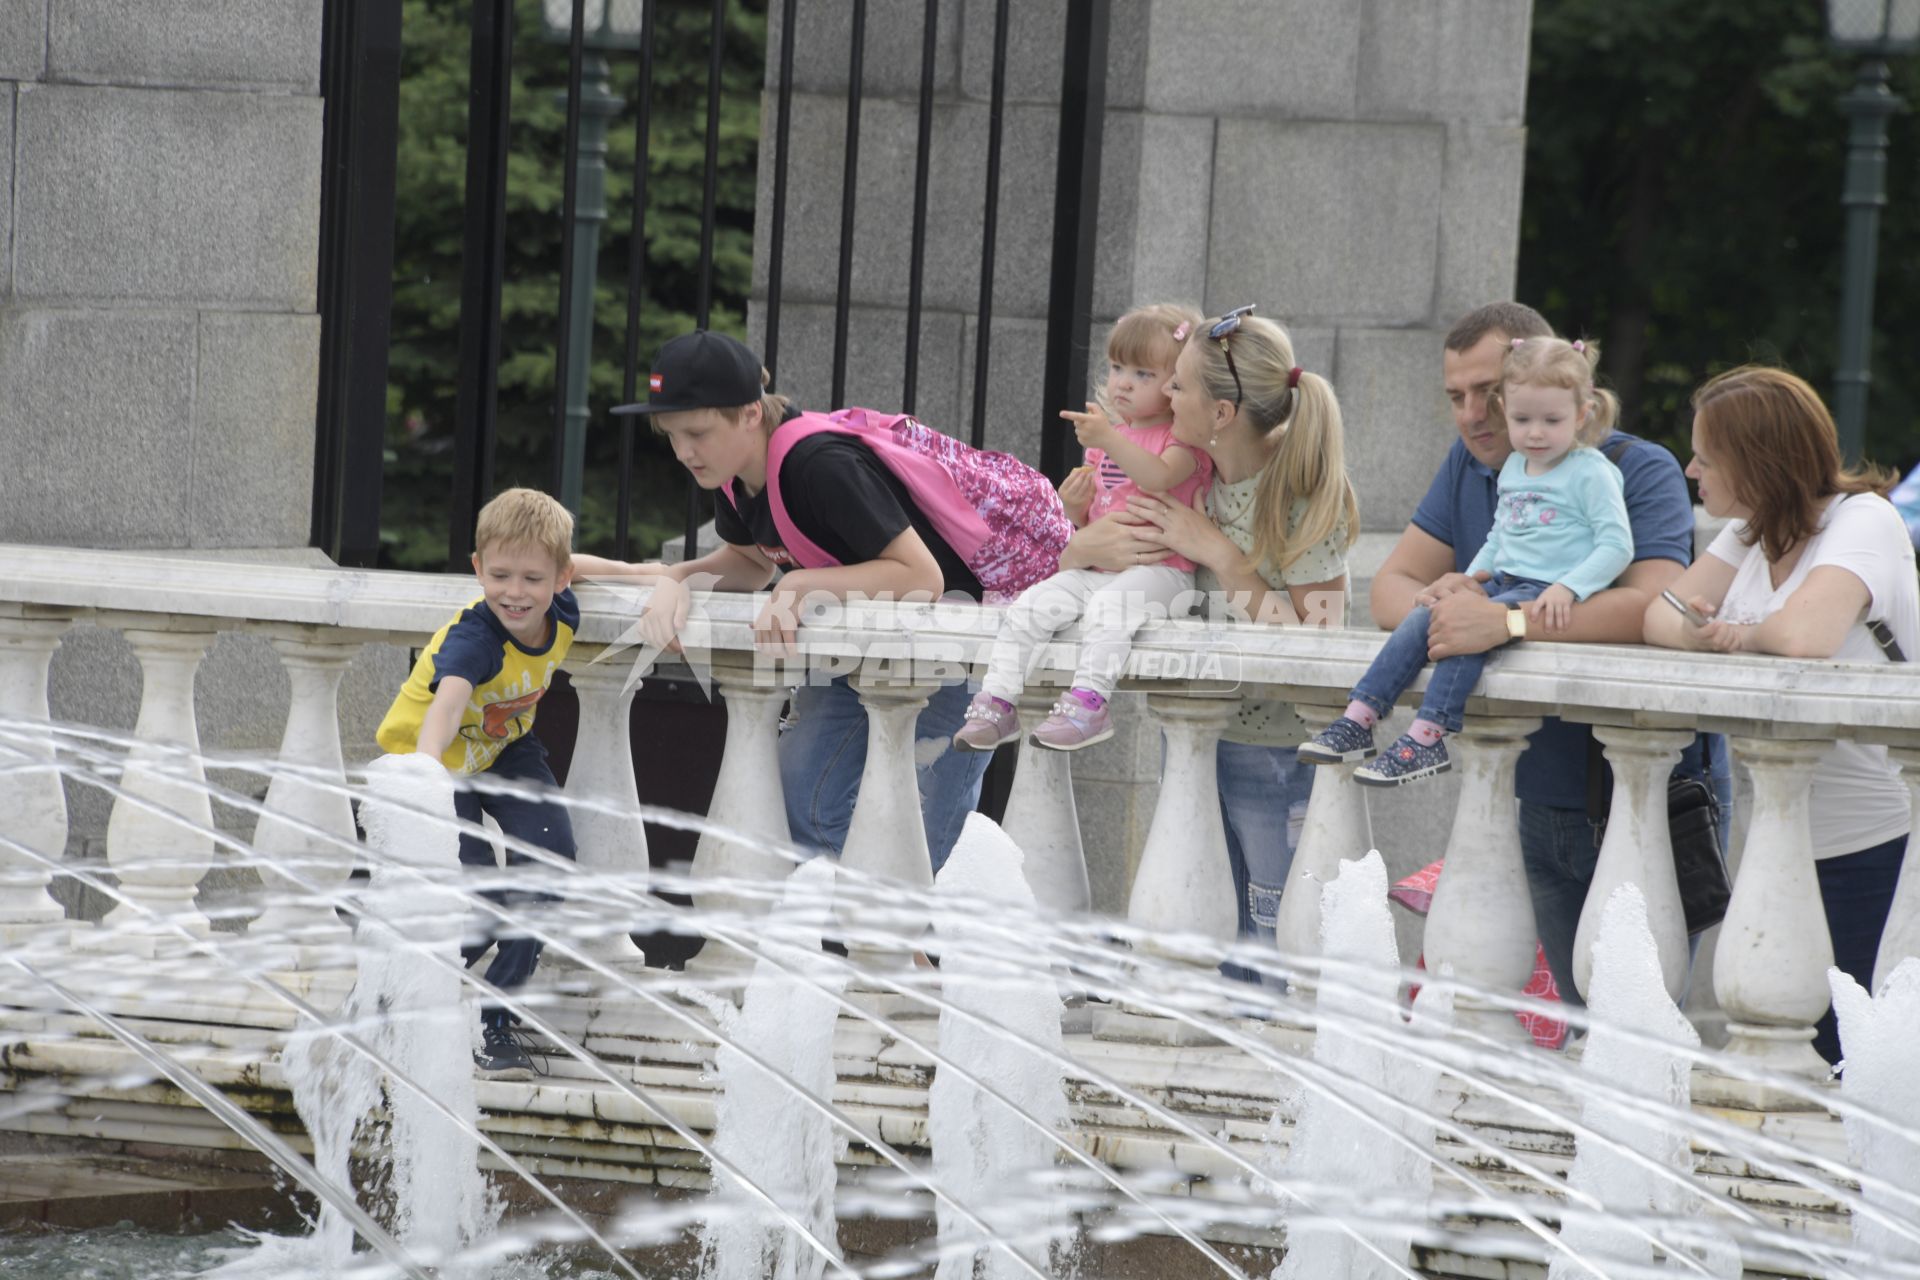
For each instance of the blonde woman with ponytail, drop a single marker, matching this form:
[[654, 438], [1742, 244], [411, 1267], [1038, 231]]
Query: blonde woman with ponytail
[[1271, 547]]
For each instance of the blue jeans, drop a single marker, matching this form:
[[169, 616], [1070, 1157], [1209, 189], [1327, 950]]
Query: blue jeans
[[824, 750], [543, 824], [1561, 847], [1856, 889], [1263, 801], [1404, 655]]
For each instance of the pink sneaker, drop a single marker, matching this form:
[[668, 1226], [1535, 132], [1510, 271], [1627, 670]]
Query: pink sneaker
[[1073, 725], [990, 723]]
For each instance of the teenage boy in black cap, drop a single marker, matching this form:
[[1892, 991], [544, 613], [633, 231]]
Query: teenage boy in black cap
[[849, 504]]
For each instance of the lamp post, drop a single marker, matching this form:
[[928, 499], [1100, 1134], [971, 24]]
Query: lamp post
[[607, 24], [1876, 30]]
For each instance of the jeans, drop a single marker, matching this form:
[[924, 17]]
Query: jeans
[[543, 824], [1405, 653], [1263, 802], [1856, 889], [1561, 847], [824, 749]]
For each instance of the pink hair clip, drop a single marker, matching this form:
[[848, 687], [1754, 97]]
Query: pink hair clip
[[1519, 342], [1181, 330], [1579, 346]]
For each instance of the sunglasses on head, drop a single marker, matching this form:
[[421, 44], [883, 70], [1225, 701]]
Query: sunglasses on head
[[1222, 330]]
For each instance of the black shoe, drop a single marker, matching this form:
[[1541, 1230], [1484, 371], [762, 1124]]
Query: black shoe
[[502, 1056]]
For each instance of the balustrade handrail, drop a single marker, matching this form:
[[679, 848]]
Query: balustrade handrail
[[1634, 685]]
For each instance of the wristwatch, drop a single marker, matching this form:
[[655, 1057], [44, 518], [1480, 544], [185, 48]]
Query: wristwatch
[[1516, 623]]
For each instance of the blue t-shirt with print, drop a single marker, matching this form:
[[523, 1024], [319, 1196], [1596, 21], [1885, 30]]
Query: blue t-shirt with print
[[1459, 509]]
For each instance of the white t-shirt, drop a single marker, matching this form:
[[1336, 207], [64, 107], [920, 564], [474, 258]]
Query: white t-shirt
[[1858, 799]]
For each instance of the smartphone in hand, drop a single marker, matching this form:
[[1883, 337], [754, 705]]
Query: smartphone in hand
[[1685, 610]]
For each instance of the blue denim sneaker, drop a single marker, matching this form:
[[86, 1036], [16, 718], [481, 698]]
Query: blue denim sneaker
[[1341, 742], [1404, 761]]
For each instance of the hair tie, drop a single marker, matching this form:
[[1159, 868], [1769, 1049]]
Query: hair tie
[[1293, 377], [1181, 330], [1579, 346], [1518, 343]]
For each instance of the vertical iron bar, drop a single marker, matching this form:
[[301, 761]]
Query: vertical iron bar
[[989, 225], [929, 38], [636, 278], [569, 204], [482, 267], [1076, 219], [776, 249], [849, 180], [709, 205]]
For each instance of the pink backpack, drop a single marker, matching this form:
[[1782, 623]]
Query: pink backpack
[[999, 515]]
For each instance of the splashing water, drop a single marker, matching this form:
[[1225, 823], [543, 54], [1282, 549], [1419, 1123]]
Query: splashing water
[[1881, 1037], [1628, 994], [1334, 1148], [788, 1151], [412, 1014], [984, 1153]]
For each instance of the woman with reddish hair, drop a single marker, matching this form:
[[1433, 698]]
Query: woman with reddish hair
[[1814, 563]]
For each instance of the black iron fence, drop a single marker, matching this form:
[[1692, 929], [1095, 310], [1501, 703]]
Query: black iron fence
[[361, 70]]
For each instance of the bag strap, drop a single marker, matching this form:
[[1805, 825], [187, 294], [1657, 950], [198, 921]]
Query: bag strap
[[1882, 633]]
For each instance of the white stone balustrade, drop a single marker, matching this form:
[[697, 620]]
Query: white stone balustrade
[[159, 835], [1336, 829], [1638, 849], [1480, 927], [1781, 713], [1043, 819], [305, 839], [30, 792], [1902, 938], [610, 838]]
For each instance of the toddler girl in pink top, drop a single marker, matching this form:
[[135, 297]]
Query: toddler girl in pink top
[[1130, 450]]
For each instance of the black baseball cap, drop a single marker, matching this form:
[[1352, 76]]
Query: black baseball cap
[[700, 370]]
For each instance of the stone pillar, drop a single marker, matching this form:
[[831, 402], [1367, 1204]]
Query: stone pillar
[[302, 865], [1336, 830], [887, 839], [1902, 938], [1638, 849], [1770, 972], [1481, 923], [1042, 820], [747, 797], [30, 792], [612, 840], [159, 838]]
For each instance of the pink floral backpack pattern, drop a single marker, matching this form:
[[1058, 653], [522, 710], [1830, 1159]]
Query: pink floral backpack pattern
[[999, 515]]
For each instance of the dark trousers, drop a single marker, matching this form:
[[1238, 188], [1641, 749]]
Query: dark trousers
[[1857, 891], [542, 823]]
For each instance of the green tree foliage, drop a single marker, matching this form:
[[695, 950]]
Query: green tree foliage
[[429, 222], [1682, 203]]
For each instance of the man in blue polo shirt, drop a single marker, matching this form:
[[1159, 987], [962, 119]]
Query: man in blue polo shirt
[[1557, 835]]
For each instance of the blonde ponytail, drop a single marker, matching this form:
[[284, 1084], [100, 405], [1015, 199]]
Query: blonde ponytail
[[1310, 463]]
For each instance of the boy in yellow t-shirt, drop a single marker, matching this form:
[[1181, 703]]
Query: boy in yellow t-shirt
[[470, 703]]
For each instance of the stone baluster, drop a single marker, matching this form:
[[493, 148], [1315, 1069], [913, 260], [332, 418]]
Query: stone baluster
[[1481, 923], [887, 838], [1902, 938], [1041, 817], [159, 857], [1184, 884], [1638, 849], [30, 792], [303, 866], [1770, 971], [747, 797], [1336, 829], [611, 839]]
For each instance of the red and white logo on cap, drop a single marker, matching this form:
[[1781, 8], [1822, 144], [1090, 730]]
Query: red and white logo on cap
[[653, 382]]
